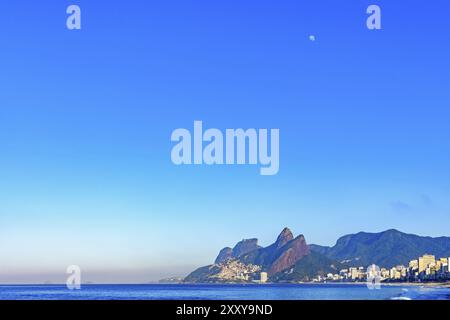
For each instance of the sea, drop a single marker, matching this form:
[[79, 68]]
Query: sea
[[223, 292]]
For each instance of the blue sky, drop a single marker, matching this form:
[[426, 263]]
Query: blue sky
[[86, 118]]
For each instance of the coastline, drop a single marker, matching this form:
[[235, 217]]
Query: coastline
[[420, 284], [436, 285]]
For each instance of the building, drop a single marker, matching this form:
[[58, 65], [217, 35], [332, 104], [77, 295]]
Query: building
[[425, 261], [344, 274], [384, 273], [414, 264], [263, 277], [355, 273], [425, 268], [395, 274]]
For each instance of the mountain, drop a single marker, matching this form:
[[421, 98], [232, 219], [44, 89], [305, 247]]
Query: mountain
[[243, 247], [247, 259], [291, 259], [230, 271], [386, 249], [282, 254], [309, 267]]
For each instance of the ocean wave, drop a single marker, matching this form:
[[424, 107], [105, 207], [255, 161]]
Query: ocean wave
[[401, 298]]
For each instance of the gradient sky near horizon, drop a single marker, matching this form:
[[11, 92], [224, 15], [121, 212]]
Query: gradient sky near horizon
[[86, 118]]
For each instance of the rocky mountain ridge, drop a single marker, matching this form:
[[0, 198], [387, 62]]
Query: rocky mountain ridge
[[235, 263], [291, 259]]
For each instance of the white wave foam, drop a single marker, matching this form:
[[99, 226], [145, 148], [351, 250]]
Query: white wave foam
[[401, 298]]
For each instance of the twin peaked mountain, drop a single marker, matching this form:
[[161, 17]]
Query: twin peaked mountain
[[275, 258], [291, 259], [280, 260]]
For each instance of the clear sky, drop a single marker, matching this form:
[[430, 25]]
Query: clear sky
[[86, 118]]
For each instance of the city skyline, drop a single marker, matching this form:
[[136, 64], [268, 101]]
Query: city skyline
[[86, 119]]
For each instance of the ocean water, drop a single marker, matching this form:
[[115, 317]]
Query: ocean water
[[221, 292]]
